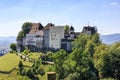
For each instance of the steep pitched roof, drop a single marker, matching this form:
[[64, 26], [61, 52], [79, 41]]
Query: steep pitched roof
[[48, 26], [89, 28], [36, 27], [71, 28]]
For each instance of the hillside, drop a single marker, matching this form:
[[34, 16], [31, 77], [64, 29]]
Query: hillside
[[9, 66], [110, 39]]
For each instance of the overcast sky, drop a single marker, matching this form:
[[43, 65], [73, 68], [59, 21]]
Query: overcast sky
[[105, 14]]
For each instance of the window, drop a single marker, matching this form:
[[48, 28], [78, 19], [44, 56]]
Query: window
[[51, 45], [52, 38], [51, 35]]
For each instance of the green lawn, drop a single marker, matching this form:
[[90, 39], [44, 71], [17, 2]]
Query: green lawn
[[11, 61], [8, 62], [12, 76]]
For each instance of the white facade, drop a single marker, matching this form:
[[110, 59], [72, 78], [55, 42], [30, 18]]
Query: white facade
[[53, 36], [33, 39], [56, 34]]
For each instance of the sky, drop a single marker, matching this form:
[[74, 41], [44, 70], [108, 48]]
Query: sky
[[104, 14]]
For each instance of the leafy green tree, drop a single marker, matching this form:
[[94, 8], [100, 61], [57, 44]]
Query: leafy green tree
[[69, 66], [96, 39], [21, 34], [59, 57], [26, 52], [35, 70], [26, 27], [21, 67], [81, 58], [13, 47], [107, 61], [47, 56], [66, 28], [81, 41], [74, 76], [30, 74]]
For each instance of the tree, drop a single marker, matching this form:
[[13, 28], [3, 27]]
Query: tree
[[26, 52], [96, 39], [21, 67], [26, 27], [82, 61], [21, 34], [74, 76], [66, 28], [13, 46], [81, 58], [107, 61], [35, 70], [47, 56], [59, 57]]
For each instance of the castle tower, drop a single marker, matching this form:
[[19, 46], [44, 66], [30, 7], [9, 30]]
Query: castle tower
[[71, 30]]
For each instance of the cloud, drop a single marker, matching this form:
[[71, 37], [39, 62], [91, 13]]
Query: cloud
[[114, 3]]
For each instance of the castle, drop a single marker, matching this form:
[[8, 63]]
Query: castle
[[50, 37]]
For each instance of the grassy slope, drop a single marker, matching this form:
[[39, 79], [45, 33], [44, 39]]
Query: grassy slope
[[8, 62], [12, 76]]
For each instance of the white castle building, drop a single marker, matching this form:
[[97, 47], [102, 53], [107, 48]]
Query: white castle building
[[40, 37], [51, 37]]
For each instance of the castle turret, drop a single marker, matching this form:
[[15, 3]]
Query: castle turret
[[71, 30]]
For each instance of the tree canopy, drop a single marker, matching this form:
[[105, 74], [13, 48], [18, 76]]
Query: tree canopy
[[66, 28], [25, 29], [13, 46], [21, 34], [81, 58], [107, 61]]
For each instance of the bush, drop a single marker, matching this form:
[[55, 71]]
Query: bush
[[74, 76], [13, 47], [21, 67]]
